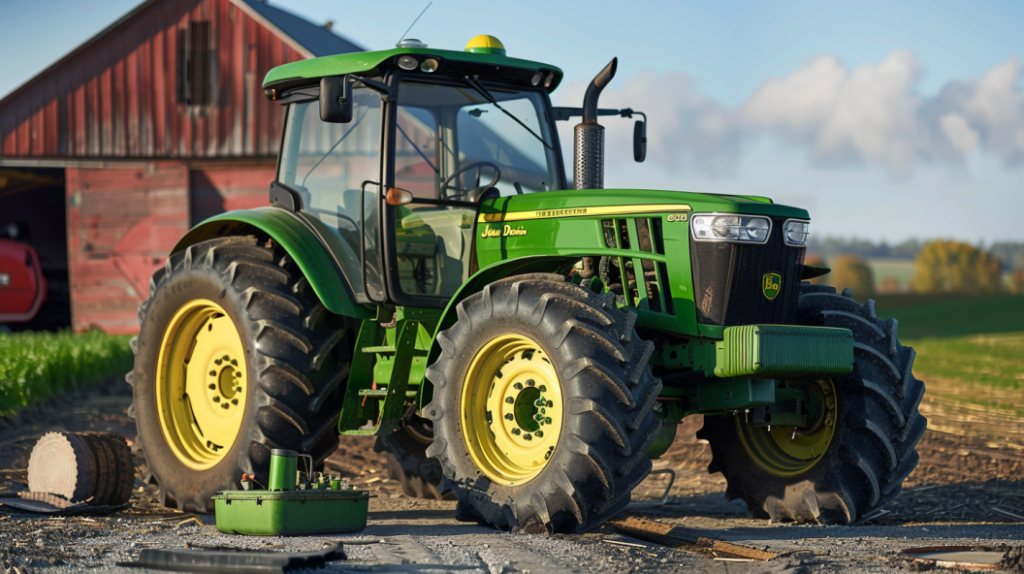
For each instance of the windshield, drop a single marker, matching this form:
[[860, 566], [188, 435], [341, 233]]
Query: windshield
[[452, 139]]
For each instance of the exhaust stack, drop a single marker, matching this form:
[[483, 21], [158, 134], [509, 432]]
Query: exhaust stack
[[589, 135]]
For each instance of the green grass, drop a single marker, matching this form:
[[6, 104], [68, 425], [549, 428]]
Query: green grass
[[991, 360], [936, 316], [37, 366]]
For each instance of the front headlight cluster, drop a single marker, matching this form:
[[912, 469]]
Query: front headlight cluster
[[730, 228], [795, 231]]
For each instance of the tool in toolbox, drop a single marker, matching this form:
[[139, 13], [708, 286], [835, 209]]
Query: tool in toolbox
[[294, 503]]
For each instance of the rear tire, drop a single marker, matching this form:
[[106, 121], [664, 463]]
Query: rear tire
[[872, 449], [589, 359], [295, 364]]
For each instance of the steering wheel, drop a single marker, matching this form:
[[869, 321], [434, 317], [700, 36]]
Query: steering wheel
[[471, 193]]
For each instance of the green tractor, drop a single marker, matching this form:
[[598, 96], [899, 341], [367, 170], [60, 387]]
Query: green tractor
[[425, 274]]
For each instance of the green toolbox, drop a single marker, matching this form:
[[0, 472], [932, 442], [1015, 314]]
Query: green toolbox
[[295, 503]]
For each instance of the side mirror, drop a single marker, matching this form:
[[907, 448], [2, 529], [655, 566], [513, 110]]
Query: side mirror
[[639, 141], [335, 100]]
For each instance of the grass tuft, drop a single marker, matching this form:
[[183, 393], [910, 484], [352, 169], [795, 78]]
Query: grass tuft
[[35, 366]]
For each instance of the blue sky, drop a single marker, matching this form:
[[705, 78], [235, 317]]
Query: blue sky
[[887, 120]]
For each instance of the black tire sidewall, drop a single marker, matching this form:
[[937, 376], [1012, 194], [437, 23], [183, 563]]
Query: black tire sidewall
[[179, 288]]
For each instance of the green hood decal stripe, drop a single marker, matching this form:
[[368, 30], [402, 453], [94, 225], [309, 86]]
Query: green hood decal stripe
[[583, 212]]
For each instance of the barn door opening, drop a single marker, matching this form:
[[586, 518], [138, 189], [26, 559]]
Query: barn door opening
[[32, 213]]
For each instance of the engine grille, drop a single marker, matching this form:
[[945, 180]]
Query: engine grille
[[728, 279]]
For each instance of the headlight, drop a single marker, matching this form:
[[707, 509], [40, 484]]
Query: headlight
[[730, 228], [407, 62], [795, 231]]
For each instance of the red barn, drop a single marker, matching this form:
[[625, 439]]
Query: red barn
[[108, 156]]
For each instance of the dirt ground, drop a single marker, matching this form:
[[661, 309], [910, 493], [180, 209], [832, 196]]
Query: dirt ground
[[968, 489]]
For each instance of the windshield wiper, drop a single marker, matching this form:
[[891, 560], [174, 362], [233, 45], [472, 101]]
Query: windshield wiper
[[487, 95]]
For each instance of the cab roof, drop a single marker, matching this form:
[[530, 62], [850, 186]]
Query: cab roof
[[484, 64]]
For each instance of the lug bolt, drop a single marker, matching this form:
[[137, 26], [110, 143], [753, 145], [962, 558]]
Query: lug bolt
[[509, 417], [213, 387], [542, 411], [539, 433], [537, 417], [530, 382], [518, 386], [515, 431], [216, 399], [542, 389], [527, 436], [550, 404], [227, 358], [224, 406], [509, 400], [213, 373], [238, 389], [234, 401], [547, 420]]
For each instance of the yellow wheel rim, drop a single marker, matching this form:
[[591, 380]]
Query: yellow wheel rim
[[784, 453], [511, 409], [201, 384]]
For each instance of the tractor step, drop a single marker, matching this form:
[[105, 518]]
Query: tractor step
[[390, 349], [381, 393]]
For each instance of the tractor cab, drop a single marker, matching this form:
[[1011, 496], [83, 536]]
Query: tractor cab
[[389, 159]]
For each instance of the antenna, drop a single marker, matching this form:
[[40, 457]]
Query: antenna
[[413, 23]]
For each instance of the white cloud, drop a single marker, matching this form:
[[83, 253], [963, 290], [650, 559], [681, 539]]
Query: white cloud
[[685, 128], [871, 115]]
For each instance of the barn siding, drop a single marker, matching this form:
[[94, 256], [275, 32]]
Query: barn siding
[[122, 223], [218, 189], [116, 98]]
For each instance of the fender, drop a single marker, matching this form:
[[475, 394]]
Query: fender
[[309, 252]]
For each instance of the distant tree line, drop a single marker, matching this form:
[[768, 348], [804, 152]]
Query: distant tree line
[[1010, 255], [940, 266]]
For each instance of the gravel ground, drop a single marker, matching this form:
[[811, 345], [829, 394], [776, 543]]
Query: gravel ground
[[967, 490]]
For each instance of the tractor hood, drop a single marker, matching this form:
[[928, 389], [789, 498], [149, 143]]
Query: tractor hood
[[598, 202]]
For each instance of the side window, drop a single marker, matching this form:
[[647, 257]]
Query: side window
[[327, 164]]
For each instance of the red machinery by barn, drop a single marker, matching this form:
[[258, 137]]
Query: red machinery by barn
[[22, 285]]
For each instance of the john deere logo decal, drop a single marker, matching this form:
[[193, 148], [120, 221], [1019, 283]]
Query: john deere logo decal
[[771, 284]]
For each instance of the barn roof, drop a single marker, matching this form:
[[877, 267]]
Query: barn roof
[[308, 38], [312, 38]]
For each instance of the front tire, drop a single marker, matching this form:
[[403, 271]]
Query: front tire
[[236, 356], [543, 406], [831, 475]]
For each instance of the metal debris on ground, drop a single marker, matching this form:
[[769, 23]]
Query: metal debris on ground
[[43, 505], [972, 558], [688, 540], [227, 560]]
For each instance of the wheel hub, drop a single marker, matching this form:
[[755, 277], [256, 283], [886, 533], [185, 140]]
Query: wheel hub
[[512, 409], [201, 384], [791, 451]]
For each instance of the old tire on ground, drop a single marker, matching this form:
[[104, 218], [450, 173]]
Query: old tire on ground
[[871, 449], [569, 377], [232, 339], [408, 463]]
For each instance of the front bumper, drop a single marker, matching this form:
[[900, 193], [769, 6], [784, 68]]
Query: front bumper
[[782, 352]]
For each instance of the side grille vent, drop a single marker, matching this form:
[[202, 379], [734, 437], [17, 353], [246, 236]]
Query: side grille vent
[[642, 236]]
